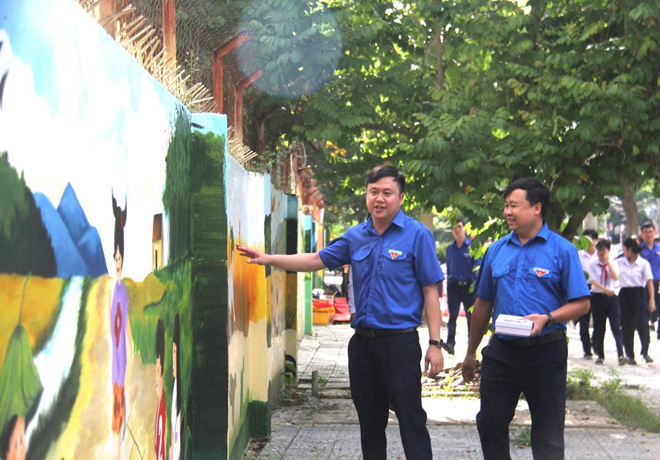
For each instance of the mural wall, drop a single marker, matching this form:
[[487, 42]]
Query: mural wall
[[119, 216], [96, 278], [262, 303]]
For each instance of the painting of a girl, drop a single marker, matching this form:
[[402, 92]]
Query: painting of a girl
[[120, 329]]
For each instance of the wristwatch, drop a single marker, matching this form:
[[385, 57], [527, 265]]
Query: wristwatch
[[437, 343], [551, 320]]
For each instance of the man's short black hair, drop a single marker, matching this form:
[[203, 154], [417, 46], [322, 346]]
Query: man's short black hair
[[387, 171], [603, 244], [460, 220], [591, 233], [648, 224], [535, 192]]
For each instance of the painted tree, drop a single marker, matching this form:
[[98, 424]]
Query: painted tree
[[177, 194], [25, 245]]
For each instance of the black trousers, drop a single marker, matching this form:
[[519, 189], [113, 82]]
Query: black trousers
[[538, 372], [604, 307], [384, 371], [656, 286], [634, 317], [584, 321], [455, 295]]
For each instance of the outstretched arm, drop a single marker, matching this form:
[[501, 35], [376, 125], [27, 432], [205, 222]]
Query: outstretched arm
[[292, 262]]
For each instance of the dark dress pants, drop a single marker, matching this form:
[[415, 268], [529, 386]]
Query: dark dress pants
[[656, 286], [455, 295], [634, 317], [384, 371], [604, 307], [584, 321], [538, 372]]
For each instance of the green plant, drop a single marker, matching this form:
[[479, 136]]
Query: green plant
[[578, 385], [625, 409], [521, 437], [289, 378]]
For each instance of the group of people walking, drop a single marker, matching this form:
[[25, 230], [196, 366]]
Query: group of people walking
[[628, 311], [532, 272]]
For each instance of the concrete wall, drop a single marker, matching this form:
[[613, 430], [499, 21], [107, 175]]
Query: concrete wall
[[95, 155]]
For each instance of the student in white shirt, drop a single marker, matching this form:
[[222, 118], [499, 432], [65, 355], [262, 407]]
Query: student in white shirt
[[586, 257], [634, 277], [604, 301]]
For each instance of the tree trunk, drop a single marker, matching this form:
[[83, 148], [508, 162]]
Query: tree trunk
[[630, 208], [426, 218], [571, 228]]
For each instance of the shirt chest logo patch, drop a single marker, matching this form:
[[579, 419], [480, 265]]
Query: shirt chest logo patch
[[394, 253], [541, 272]]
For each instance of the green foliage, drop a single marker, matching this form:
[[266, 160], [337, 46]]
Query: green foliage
[[25, 245], [567, 92], [178, 186], [521, 436], [296, 44], [630, 411], [578, 385]]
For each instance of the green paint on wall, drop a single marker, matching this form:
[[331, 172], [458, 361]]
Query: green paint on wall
[[308, 303], [208, 235], [259, 419]]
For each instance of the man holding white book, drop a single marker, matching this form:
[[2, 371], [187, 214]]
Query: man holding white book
[[535, 274]]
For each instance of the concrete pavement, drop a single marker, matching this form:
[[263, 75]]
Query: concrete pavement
[[307, 427]]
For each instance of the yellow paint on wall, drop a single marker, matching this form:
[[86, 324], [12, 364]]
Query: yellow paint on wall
[[41, 305], [237, 408], [256, 292], [87, 433], [93, 392], [260, 362]]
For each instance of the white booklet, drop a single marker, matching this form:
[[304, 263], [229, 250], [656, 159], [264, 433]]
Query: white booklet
[[513, 325]]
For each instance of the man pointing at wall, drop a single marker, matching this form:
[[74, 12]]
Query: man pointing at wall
[[395, 275]]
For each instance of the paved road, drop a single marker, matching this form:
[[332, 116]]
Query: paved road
[[326, 428]]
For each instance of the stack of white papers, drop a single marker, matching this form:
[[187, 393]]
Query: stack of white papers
[[513, 325]]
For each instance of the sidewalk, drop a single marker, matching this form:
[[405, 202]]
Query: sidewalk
[[326, 428]]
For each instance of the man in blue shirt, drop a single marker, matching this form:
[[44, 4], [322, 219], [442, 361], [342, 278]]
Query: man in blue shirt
[[651, 252], [460, 276], [395, 274], [534, 273]]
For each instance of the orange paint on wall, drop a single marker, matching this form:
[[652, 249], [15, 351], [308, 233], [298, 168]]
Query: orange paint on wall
[[256, 288], [249, 287]]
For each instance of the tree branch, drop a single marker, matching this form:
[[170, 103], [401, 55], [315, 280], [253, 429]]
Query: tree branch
[[390, 128]]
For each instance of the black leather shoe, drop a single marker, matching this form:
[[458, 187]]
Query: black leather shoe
[[448, 348]]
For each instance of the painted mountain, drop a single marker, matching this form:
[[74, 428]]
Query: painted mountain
[[76, 243]]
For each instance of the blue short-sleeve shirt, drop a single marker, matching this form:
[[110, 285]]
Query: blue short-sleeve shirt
[[388, 270], [538, 277], [460, 264], [653, 257]]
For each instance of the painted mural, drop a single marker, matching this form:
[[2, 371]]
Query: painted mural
[[262, 301], [119, 216], [95, 266]]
